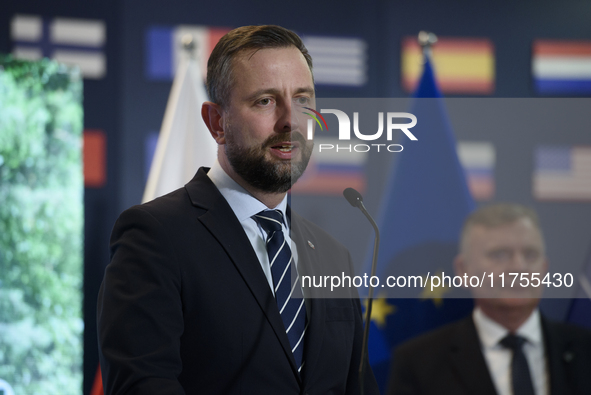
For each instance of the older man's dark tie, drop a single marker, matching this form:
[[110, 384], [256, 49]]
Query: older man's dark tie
[[288, 291], [520, 375]]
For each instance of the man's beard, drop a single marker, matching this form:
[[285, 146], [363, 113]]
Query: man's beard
[[265, 175]]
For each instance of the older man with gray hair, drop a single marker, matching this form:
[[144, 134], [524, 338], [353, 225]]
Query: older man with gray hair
[[506, 346]]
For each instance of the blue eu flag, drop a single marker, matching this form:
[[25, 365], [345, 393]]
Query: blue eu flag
[[425, 202]]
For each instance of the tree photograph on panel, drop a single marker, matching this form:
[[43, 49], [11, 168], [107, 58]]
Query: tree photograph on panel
[[41, 227]]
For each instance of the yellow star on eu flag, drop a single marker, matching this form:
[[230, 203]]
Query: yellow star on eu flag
[[380, 310], [437, 294]]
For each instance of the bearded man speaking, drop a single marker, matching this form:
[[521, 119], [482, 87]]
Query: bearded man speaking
[[198, 297]]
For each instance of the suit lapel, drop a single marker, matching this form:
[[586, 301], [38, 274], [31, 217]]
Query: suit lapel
[[468, 360], [220, 220], [560, 356]]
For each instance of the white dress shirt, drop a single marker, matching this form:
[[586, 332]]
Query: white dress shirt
[[245, 206], [498, 358]]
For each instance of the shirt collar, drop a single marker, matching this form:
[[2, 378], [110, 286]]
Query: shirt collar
[[491, 332], [532, 328], [242, 203]]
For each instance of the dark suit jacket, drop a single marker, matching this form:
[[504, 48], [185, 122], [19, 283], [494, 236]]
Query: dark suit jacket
[[449, 360], [185, 307]]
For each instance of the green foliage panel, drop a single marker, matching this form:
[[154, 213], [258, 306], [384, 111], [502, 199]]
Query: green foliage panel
[[41, 227]]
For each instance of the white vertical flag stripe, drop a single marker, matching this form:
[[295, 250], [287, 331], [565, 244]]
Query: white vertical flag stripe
[[184, 143]]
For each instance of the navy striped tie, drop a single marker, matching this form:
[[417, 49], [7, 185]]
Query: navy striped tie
[[288, 290]]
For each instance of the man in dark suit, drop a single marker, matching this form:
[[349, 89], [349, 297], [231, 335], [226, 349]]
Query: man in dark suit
[[505, 347], [193, 300]]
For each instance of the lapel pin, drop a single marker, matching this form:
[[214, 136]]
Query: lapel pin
[[311, 245]]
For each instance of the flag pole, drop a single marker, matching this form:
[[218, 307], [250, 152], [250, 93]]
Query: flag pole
[[189, 45], [426, 41]]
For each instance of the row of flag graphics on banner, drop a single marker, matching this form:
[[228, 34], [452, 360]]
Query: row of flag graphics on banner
[[560, 173], [75, 42], [467, 66], [464, 65], [332, 172], [337, 60]]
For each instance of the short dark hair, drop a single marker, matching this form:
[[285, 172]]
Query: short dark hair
[[220, 63], [498, 214]]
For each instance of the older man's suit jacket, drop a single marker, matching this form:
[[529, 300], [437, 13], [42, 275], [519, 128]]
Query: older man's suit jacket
[[185, 307], [450, 361]]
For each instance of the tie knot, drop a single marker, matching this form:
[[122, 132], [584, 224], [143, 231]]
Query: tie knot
[[513, 342], [270, 220]]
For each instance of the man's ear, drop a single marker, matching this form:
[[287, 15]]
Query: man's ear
[[460, 265], [213, 116]]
